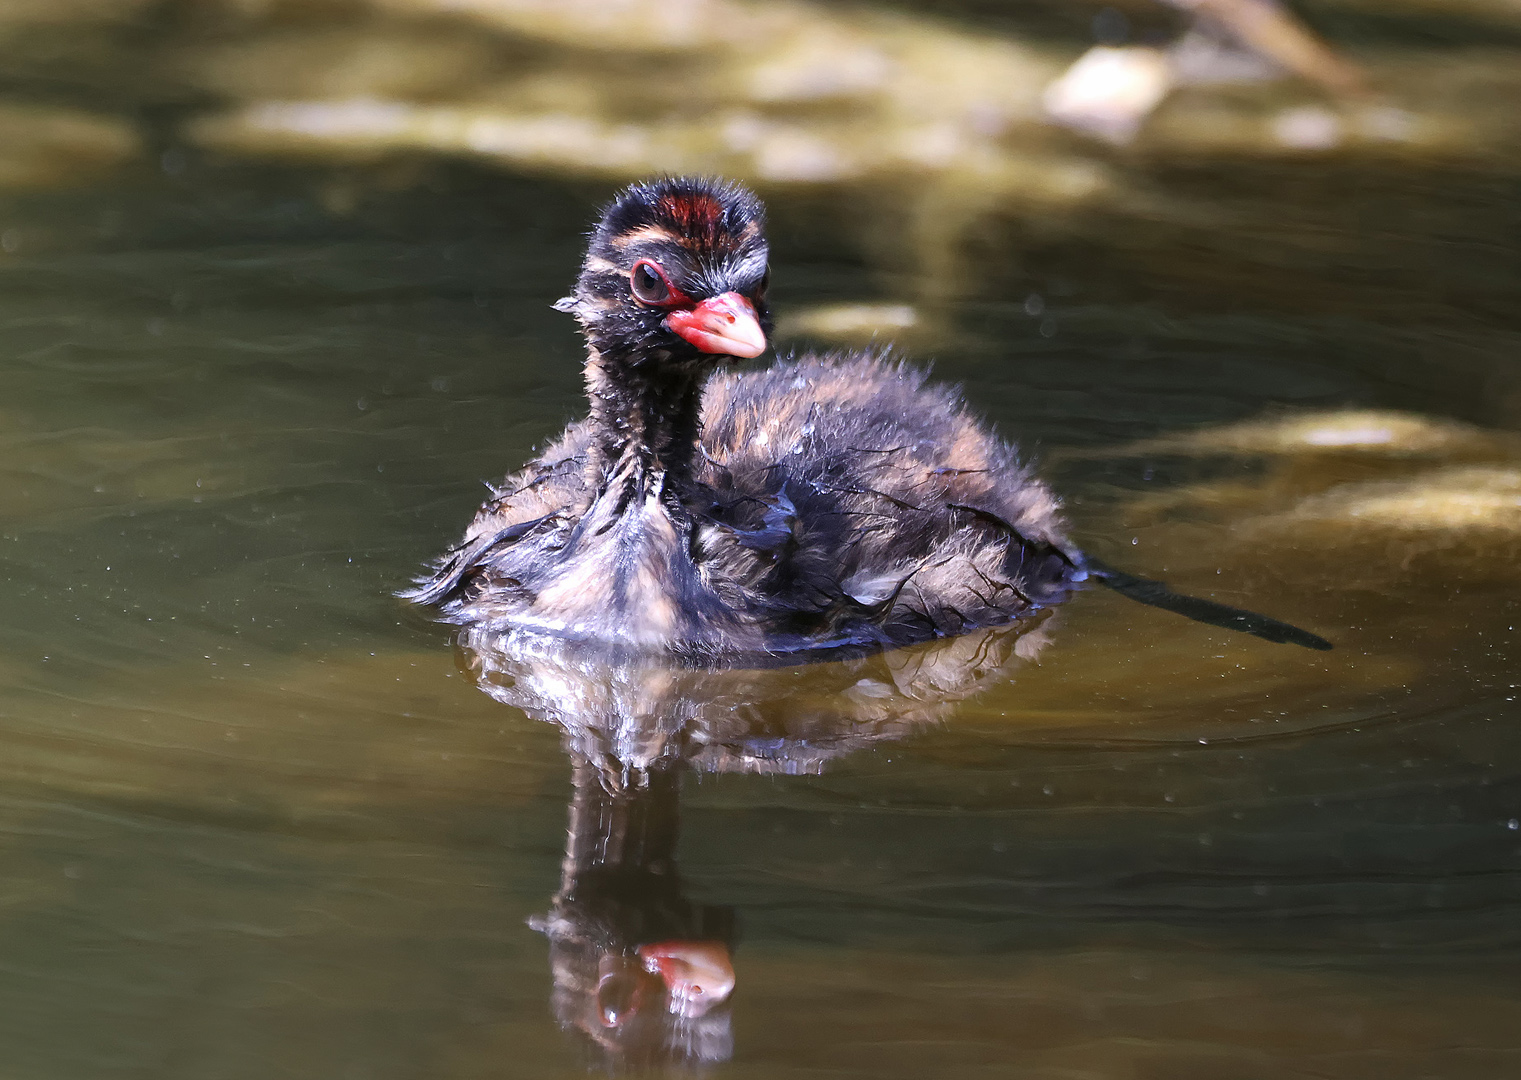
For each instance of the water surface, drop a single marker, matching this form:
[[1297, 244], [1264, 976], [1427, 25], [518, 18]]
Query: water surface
[[257, 820]]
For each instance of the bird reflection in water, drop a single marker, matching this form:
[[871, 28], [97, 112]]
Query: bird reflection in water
[[643, 972]]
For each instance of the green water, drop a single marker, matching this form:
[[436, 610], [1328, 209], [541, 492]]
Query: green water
[[255, 819]]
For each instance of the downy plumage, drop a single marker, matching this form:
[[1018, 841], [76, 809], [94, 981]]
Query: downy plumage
[[831, 501]]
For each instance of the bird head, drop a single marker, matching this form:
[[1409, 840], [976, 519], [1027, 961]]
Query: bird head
[[676, 274]]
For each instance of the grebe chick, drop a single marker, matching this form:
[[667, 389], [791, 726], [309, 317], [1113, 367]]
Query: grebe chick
[[832, 501]]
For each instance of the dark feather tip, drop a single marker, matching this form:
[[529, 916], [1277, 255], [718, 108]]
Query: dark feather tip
[[1158, 594]]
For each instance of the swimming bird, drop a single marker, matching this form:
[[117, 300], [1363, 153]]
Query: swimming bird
[[831, 501]]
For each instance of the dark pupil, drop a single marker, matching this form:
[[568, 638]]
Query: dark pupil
[[648, 285]]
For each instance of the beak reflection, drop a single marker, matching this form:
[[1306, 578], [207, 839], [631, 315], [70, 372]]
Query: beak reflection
[[641, 970]]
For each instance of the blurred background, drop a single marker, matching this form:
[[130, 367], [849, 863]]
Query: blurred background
[[1210, 152], [1242, 280]]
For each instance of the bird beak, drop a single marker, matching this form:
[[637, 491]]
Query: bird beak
[[725, 324], [697, 974]]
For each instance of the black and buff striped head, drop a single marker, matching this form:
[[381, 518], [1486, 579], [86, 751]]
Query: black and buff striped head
[[675, 274]]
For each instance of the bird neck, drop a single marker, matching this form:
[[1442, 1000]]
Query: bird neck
[[621, 825], [647, 417]]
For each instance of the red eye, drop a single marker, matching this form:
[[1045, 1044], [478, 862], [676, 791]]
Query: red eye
[[648, 283]]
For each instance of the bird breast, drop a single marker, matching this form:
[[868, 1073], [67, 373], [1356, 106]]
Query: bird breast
[[628, 571]]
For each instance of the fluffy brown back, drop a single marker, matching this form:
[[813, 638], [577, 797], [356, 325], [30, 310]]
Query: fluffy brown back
[[836, 501]]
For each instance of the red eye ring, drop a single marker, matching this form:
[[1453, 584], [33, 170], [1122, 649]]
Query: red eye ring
[[648, 283]]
